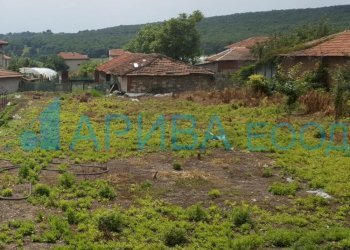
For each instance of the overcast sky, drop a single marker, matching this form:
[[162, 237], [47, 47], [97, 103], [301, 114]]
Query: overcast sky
[[75, 15]]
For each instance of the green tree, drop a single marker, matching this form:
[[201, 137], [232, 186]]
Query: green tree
[[54, 62], [341, 90], [177, 38], [23, 62], [88, 69]]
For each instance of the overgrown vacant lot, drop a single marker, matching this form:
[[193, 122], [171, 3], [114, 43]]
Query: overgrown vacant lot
[[158, 198]]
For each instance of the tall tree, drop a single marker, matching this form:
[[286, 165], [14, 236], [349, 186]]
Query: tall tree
[[178, 38]]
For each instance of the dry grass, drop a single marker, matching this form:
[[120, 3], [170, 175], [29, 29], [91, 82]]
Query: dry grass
[[242, 96], [317, 101]]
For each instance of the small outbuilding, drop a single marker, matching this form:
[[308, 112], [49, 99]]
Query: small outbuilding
[[10, 80], [150, 73]]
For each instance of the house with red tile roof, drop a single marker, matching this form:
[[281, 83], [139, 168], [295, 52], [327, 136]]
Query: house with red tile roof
[[150, 73], [73, 59], [235, 56], [332, 51]]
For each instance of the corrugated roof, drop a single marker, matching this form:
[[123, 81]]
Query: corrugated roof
[[72, 56], [9, 74], [249, 43], [334, 45], [149, 65]]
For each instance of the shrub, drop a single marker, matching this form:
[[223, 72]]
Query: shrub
[[241, 216], [214, 193], [247, 242], [341, 90], [107, 192], [259, 84], [42, 190], [175, 236], [282, 237], [26, 228], [72, 217], [67, 180], [243, 74], [292, 84], [7, 192], [279, 188], [110, 221], [177, 166], [197, 213], [24, 172], [146, 185]]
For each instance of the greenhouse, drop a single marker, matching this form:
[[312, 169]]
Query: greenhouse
[[39, 72]]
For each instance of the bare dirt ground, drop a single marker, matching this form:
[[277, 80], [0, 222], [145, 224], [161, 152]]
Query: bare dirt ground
[[238, 176]]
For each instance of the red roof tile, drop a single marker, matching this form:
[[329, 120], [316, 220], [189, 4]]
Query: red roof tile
[[117, 52], [249, 43], [334, 45], [3, 42], [149, 65], [72, 56], [9, 74]]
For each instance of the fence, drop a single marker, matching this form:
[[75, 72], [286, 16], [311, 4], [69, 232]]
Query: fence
[[3, 97], [62, 87]]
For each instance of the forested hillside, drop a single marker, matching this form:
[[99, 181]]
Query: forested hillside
[[216, 32]]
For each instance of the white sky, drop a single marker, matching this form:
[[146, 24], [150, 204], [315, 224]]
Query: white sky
[[75, 15]]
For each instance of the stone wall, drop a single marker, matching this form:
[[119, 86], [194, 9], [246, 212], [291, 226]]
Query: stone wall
[[309, 63], [166, 84]]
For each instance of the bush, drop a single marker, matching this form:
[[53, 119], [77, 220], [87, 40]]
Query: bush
[[292, 84], [110, 221], [282, 237], [175, 236], [214, 193], [72, 217], [243, 74], [42, 190], [7, 192], [107, 192], [259, 84], [279, 188], [241, 216], [247, 242], [67, 180], [197, 213], [177, 166]]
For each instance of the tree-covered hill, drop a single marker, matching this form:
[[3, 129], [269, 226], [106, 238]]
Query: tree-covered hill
[[216, 32]]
